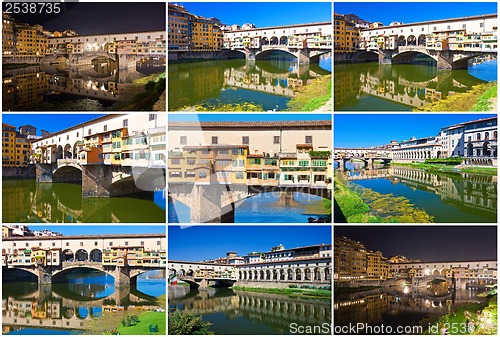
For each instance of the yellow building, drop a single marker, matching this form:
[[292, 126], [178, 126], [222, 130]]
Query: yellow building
[[8, 145], [178, 27], [7, 36], [349, 259], [39, 257], [376, 265], [346, 35]]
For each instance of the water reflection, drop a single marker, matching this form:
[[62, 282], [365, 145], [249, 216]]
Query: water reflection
[[27, 201], [267, 83], [377, 87], [462, 197], [391, 308], [69, 305], [255, 312], [55, 86]]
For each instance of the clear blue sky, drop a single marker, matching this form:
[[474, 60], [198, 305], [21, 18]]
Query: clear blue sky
[[408, 12], [48, 122], [99, 229], [364, 130], [196, 243], [246, 117], [262, 14]]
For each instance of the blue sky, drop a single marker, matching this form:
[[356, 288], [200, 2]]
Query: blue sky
[[49, 122], [99, 229], [408, 12], [262, 14], [195, 243], [364, 130], [246, 117]]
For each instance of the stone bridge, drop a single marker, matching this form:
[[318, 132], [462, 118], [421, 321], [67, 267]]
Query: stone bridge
[[367, 160], [100, 180], [217, 202], [446, 59]]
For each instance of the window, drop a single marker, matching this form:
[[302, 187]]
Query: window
[[183, 140], [81, 244], [245, 140], [481, 24], [111, 243], [105, 128], [126, 243], [448, 27], [67, 244], [158, 243], [464, 25], [175, 161], [215, 140], [125, 123], [309, 139], [202, 174], [276, 139], [478, 136], [89, 132], [152, 117], [486, 135], [142, 243], [53, 244]]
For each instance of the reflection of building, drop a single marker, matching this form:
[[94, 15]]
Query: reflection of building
[[353, 262], [251, 153]]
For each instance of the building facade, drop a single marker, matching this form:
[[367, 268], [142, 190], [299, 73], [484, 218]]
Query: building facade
[[15, 147], [251, 153]]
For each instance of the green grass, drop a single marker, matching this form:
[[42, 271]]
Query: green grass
[[465, 101], [442, 168], [312, 96], [367, 206], [292, 292], [484, 102], [456, 319], [142, 327]]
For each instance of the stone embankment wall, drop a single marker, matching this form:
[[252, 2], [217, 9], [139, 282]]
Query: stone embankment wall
[[27, 172]]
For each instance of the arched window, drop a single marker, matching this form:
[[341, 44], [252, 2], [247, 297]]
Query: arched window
[[486, 135], [478, 136], [494, 135]]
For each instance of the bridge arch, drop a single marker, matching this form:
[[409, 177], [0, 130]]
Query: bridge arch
[[265, 54], [411, 40], [95, 255], [264, 41], [82, 312], [68, 151], [81, 255], [421, 40], [232, 54], [7, 273], [307, 274], [401, 40], [274, 41], [298, 274], [283, 41]]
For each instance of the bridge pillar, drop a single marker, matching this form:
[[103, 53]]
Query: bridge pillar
[[303, 56], [96, 180], [206, 203], [203, 284], [122, 276], [126, 61], [249, 55], [44, 173], [44, 277], [384, 57], [445, 60]]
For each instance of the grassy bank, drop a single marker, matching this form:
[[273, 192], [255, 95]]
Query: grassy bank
[[142, 326], [292, 292], [367, 206], [313, 95], [245, 106], [146, 92], [441, 168], [469, 319], [479, 98], [184, 323]]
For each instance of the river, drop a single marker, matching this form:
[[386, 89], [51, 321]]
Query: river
[[450, 198], [63, 308], [263, 208], [269, 83], [55, 87], [402, 87], [27, 201], [235, 312]]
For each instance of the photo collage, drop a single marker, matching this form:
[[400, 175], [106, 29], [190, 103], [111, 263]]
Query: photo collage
[[249, 168]]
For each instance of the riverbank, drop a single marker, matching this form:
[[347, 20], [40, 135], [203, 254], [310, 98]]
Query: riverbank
[[468, 319], [454, 169], [146, 93], [313, 96], [292, 292], [481, 97], [12, 66], [362, 205], [350, 290]]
